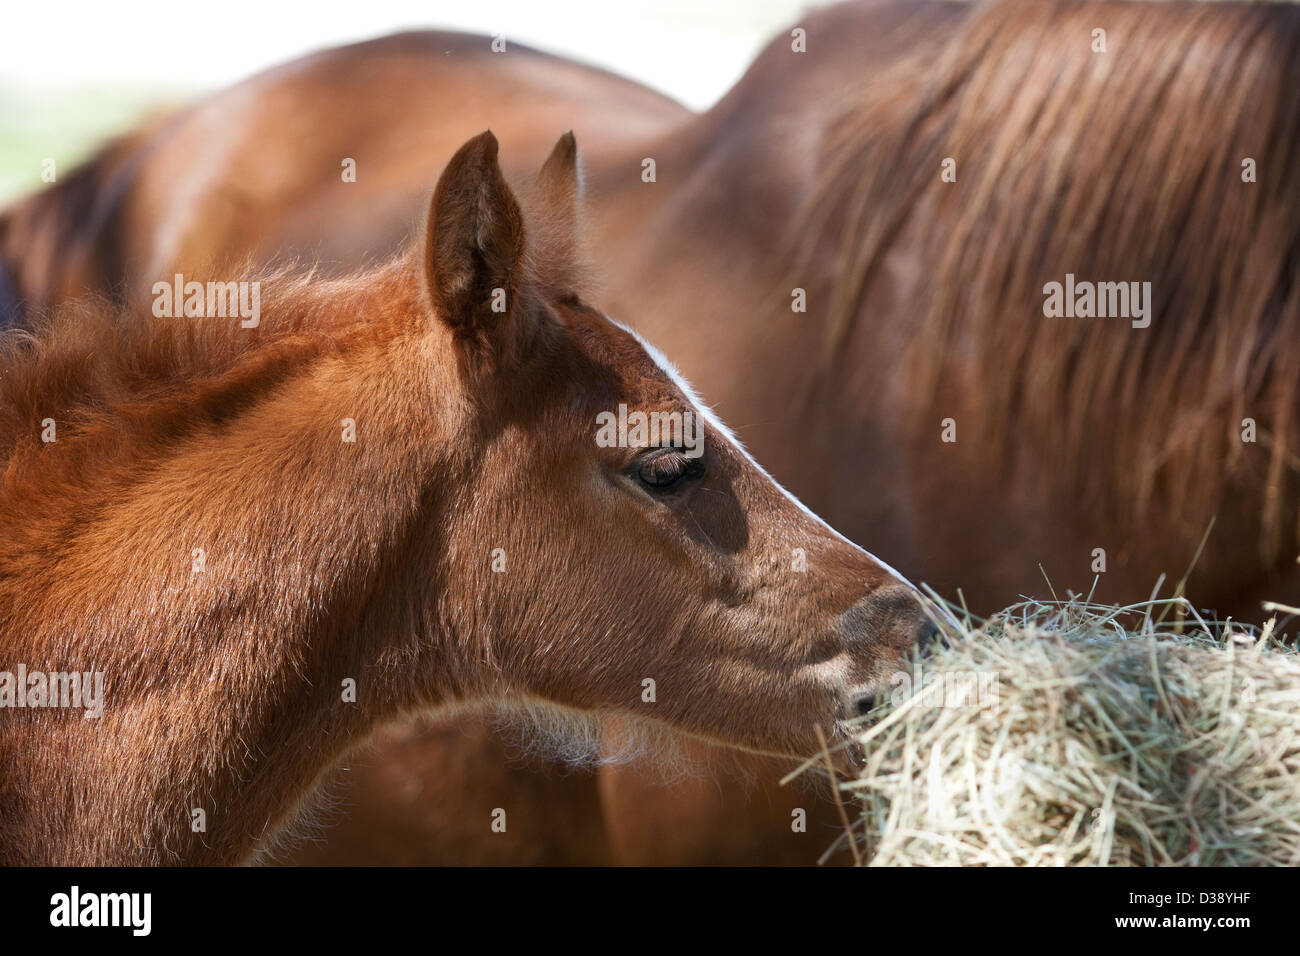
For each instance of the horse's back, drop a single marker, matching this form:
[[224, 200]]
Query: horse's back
[[326, 159]]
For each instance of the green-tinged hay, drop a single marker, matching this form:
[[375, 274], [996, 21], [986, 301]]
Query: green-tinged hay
[[1078, 742]]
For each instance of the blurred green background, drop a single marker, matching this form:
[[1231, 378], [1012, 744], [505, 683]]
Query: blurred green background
[[65, 125]]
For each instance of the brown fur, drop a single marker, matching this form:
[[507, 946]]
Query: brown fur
[[1102, 166], [923, 296]]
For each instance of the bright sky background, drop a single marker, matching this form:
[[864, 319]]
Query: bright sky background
[[691, 49], [76, 72]]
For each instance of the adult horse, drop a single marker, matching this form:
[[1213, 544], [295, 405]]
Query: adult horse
[[921, 175], [260, 540]]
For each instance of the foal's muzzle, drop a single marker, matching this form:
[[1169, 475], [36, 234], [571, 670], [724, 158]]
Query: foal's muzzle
[[881, 632], [887, 624]]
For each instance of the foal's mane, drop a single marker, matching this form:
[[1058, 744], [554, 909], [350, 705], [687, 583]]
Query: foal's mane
[[118, 381], [1116, 166]]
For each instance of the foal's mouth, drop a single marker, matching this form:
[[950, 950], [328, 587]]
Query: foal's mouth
[[862, 700], [841, 746], [854, 707]]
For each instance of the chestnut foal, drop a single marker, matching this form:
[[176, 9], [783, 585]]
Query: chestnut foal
[[387, 496]]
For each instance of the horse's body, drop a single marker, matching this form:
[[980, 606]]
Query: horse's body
[[234, 177], [823, 171]]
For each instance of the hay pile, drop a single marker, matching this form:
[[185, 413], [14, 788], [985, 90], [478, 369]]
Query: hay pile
[[1095, 736]]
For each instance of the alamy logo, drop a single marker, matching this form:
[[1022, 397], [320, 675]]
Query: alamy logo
[[638, 429], [24, 688], [945, 689], [1103, 300], [75, 908], [212, 300]]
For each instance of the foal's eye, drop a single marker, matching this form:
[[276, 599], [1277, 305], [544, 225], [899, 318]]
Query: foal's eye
[[661, 472]]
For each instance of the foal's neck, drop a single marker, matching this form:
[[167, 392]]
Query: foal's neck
[[237, 596]]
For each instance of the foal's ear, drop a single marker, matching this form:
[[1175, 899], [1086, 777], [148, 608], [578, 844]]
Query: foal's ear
[[474, 244], [558, 184], [553, 207]]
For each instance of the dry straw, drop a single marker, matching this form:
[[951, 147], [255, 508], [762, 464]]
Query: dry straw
[[1072, 734]]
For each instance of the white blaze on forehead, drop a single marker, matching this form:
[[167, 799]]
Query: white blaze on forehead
[[719, 428]]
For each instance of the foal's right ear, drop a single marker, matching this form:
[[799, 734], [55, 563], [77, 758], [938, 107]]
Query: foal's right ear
[[474, 246]]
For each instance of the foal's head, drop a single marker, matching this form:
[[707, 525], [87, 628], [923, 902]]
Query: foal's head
[[604, 543]]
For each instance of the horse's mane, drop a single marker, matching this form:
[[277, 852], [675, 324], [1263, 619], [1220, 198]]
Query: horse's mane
[[1116, 166], [116, 382]]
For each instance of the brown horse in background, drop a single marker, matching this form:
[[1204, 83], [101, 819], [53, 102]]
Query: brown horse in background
[[823, 171], [232, 175]]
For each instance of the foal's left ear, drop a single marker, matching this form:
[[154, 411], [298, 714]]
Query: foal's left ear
[[559, 186], [553, 205], [474, 246]]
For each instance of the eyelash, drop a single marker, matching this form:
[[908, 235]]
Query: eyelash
[[680, 468]]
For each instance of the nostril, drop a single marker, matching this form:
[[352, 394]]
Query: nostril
[[863, 704], [890, 617]]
